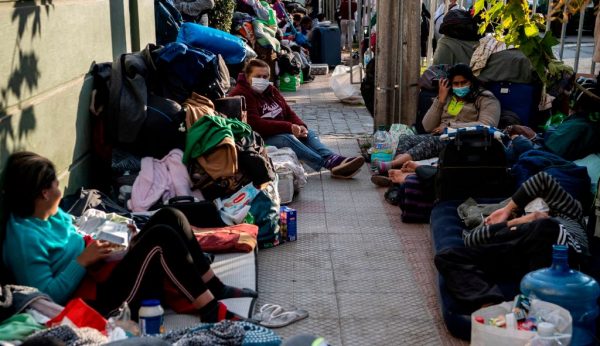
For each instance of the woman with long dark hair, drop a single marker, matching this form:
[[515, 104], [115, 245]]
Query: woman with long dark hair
[[42, 249], [461, 102]]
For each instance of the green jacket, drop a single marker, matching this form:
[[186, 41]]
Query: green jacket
[[209, 131]]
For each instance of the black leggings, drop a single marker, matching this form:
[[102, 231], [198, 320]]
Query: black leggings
[[164, 249]]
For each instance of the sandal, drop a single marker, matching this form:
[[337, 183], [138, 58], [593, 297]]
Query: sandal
[[275, 316]]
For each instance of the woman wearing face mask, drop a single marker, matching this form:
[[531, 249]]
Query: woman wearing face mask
[[276, 122], [461, 102]]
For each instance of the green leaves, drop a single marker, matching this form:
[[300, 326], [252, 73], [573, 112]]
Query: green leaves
[[531, 30], [513, 23]]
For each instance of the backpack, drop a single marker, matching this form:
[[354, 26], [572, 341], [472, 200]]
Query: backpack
[[288, 63], [182, 69], [473, 165], [162, 131], [461, 25], [168, 21]]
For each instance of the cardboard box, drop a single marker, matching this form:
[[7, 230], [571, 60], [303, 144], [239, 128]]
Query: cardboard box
[[288, 224]]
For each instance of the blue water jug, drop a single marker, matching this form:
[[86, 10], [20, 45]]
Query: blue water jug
[[570, 289]]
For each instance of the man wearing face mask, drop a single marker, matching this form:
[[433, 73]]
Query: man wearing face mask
[[271, 116], [461, 102]]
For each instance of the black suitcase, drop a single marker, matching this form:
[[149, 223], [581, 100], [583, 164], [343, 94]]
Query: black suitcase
[[473, 165], [326, 46], [203, 214], [233, 107]]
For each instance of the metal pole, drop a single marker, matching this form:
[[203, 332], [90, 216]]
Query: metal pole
[[548, 18], [535, 3], [579, 33], [563, 31], [398, 86]]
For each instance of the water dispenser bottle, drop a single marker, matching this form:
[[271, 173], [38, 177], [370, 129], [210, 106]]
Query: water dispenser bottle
[[570, 289]]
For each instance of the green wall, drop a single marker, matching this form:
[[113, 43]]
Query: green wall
[[47, 48]]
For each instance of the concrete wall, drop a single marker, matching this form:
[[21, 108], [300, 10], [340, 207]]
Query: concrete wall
[[47, 48]]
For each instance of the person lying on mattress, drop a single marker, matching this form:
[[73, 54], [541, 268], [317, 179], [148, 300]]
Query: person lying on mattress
[[467, 105], [510, 243], [42, 249], [271, 116]]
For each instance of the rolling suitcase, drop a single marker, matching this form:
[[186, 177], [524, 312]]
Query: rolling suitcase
[[326, 46], [473, 165], [520, 98]]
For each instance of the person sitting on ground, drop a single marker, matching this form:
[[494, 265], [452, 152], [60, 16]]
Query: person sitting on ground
[[510, 243], [43, 249], [271, 116], [468, 105]]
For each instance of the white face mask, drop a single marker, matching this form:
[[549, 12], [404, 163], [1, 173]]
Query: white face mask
[[260, 84]]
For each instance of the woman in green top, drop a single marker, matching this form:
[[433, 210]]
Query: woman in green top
[[42, 249], [467, 105]]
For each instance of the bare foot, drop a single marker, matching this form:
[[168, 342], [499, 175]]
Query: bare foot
[[397, 176], [409, 166]]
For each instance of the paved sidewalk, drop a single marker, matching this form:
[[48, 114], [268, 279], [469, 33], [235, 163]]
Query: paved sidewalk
[[364, 276]]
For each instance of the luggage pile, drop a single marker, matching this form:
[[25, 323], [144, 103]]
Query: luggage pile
[[165, 133]]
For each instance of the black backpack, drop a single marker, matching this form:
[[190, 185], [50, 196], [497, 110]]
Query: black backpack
[[473, 165], [168, 21], [163, 129], [288, 63], [461, 25]]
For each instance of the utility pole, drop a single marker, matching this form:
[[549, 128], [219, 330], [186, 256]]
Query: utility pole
[[385, 64], [397, 67], [411, 60]]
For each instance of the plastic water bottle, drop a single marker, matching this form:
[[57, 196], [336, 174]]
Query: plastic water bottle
[[151, 316], [570, 289], [368, 56], [382, 147]]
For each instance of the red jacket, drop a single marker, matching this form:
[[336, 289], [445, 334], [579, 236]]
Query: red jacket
[[268, 113], [344, 9]]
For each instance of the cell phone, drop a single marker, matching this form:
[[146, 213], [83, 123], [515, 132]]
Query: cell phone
[[435, 83]]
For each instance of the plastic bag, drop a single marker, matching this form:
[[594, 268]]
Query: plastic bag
[[488, 335], [343, 88], [397, 130], [77, 313], [231, 48], [285, 159]]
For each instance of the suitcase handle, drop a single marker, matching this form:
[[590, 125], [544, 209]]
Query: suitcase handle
[[181, 199]]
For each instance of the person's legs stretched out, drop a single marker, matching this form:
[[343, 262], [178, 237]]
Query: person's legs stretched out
[[164, 251], [316, 155]]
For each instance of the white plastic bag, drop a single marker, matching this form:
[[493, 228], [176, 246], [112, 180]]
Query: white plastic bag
[[342, 86], [488, 335], [285, 159]]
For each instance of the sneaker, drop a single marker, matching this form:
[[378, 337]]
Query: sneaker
[[381, 180], [348, 168]]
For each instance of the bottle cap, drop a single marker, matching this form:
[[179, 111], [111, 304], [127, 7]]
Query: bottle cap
[[545, 329], [150, 302]]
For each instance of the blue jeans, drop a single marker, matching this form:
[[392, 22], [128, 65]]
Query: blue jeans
[[309, 149]]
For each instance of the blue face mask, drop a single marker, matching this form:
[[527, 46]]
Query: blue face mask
[[462, 92]]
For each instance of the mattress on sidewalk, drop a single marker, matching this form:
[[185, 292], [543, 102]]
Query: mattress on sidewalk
[[234, 269]]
